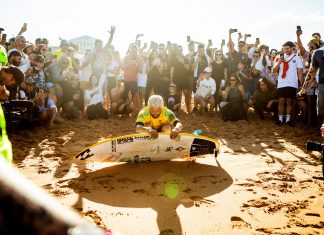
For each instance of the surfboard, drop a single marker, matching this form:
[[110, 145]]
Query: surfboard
[[142, 148]]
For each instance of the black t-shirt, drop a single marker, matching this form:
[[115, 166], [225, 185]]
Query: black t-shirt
[[218, 70], [180, 74], [236, 57], [202, 64], [264, 97], [69, 91], [318, 62]]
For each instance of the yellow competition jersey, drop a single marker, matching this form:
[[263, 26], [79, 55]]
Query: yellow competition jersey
[[59, 55], [166, 117]]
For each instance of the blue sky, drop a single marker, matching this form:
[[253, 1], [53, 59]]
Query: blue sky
[[274, 22]]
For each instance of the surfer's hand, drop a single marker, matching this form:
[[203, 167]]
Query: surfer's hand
[[153, 133], [174, 133]]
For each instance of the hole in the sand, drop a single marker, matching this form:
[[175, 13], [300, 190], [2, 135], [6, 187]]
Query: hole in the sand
[[236, 218]]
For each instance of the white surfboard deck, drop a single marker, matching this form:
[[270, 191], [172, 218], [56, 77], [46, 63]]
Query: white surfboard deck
[[141, 148]]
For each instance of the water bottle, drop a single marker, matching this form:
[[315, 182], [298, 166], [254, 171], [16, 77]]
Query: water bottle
[[197, 132]]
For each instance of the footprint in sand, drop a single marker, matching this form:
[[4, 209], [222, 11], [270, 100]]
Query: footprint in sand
[[313, 214], [238, 222], [167, 232], [127, 180], [139, 191], [199, 201]]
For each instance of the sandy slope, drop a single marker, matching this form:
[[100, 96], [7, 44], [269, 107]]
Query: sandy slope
[[261, 183]]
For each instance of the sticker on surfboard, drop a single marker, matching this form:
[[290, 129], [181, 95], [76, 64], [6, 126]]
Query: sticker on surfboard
[[141, 148]]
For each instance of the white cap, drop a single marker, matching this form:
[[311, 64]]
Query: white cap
[[208, 70]]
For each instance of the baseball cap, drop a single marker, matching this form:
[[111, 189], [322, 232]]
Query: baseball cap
[[39, 58], [17, 74], [315, 40], [18, 37], [49, 85], [29, 81], [173, 85], [208, 70], [64, 42]]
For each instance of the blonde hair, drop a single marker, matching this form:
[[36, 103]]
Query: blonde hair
[[156, 100]]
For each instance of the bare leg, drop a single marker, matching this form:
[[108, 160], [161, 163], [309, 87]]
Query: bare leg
[[281, 106], [187, 94], [136, 103], [211, 102], [289, 106]]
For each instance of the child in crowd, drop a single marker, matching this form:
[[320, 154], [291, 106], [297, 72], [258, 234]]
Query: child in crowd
[[45, 109], [173, 101]]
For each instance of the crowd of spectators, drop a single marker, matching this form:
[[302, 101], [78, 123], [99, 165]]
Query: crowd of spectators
[[47, 87]]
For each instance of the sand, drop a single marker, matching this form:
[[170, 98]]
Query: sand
[[262, 182]]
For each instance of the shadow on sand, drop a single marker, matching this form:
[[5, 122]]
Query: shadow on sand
[[162, 186]]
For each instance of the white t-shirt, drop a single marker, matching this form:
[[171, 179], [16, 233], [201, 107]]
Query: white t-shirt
[[142, 77], [94, 96], [111, 68], [291, 79], [86, 72], [205, 87], [258, 65]]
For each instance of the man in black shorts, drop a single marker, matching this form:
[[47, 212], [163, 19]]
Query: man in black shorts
[[290, 68], [132, 65]]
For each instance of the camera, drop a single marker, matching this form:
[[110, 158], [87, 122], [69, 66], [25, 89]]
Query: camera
[[299, 28], [314, 146], [188, 39], [247, 35], [233, 30], [4, 37], [223, 42], [210, 42], [282, 56]]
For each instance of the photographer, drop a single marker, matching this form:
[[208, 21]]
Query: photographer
[[317, 65], [10, 77], [38, 71]]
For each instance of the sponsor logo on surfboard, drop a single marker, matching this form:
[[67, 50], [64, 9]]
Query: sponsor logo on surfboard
[[125, 140], [84, 154]]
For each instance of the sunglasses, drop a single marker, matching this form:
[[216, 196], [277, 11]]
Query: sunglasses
[[232, 80]]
